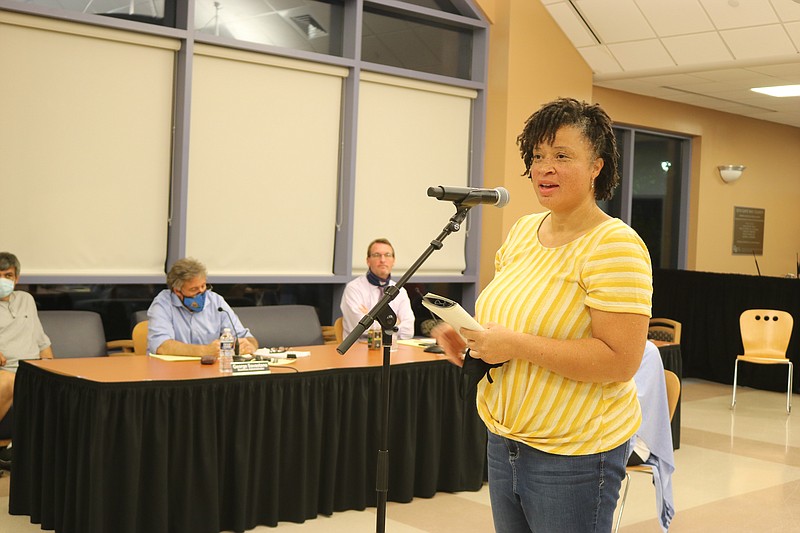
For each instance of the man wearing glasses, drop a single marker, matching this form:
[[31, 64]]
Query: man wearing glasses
[[361, 294], [187, 317]]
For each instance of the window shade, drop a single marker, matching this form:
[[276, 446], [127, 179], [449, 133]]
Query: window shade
[[411, 135], [84, 147], [263, 164]]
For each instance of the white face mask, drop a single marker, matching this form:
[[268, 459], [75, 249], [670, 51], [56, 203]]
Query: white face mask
[[6, 287]]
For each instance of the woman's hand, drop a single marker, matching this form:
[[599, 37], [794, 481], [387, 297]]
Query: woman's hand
[[493, 344], [451, 342]]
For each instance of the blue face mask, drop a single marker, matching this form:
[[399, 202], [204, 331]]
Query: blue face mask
[[195, 303], [6, 287]]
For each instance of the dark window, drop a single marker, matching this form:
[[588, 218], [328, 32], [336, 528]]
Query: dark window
[[651, 195], [402, 41]]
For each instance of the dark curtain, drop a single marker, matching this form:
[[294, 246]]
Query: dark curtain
[[708, 306]]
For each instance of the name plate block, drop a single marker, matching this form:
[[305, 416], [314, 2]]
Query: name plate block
[[250, 367]]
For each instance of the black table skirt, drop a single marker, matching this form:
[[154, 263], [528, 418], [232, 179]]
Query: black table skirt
[[708, 306], [230, 454]]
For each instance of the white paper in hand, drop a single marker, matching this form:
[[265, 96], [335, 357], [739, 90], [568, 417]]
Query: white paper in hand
[[450, 311]]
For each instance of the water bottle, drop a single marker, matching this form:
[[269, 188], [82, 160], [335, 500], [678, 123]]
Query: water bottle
[[226, 342]]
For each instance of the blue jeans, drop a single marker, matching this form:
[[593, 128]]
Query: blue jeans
[[534, 491]]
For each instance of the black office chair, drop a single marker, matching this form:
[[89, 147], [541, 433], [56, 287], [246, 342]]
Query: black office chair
[[78, 334], [282, 325]]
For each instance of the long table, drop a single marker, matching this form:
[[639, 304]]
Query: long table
[[136, 444]]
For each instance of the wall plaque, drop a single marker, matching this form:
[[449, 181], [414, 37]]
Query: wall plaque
[[748, 230]]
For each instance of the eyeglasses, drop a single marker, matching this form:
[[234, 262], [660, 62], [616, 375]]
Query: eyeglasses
[[376, 255], [279, 349]]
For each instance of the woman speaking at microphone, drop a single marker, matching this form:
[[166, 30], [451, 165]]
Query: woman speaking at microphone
[[187, 317], [567, 313]]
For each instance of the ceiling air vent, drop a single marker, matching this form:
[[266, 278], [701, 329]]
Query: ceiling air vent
[[309, 26]]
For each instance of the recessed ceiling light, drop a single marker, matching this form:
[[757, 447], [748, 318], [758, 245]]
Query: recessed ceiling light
[[780, 90]]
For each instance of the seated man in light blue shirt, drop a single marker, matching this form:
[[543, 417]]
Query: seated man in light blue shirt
[[188, 318]]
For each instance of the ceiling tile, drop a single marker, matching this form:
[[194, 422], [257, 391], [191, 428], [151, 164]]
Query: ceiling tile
[[600, 59], [572, 25], [787, 10], [745, 13], [793, 30], [698, 48], [615, 21], [725, 75], [789, 73], [697, 64], [639, 55], [675, 17], [759, 42], [674, 80]]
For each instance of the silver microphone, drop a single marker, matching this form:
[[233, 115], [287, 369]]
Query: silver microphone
[[470, 196]]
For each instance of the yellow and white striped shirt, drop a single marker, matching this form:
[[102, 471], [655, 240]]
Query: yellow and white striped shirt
[[549, 292]]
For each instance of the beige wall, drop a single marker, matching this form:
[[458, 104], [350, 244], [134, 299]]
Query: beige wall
[[532, 62], [771, 181]]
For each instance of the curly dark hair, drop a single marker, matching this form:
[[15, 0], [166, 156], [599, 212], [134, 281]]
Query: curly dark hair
[[592, 120]]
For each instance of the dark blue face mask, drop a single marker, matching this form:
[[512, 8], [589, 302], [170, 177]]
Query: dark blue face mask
[[195, 303], [375, 280]]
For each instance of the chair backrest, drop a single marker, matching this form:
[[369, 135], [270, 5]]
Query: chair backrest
[[74, 333], [338, 327], [765, 332], [673, 391], [139, 337], [139, 316], [664, 329], [282, 325]]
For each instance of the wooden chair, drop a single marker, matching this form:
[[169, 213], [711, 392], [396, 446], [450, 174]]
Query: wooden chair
[[338, 328], [140, 338], [673, 394], [765, 337], [333, 334], [664, 329]]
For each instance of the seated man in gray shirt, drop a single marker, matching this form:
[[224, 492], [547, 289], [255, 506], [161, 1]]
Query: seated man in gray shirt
[[21, 336]]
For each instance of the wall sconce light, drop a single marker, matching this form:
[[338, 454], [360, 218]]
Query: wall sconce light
[[730, 173]]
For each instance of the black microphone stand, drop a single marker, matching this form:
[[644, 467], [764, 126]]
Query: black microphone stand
[[388, 320]]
